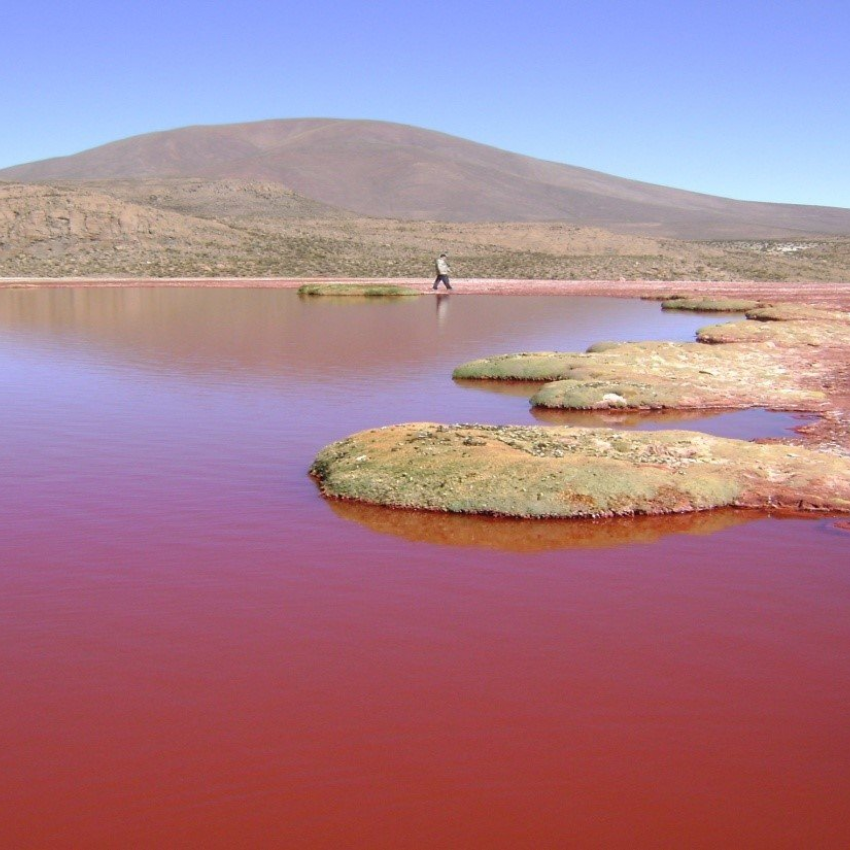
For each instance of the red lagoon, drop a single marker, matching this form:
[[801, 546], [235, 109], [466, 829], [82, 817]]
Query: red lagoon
[[199, 651]]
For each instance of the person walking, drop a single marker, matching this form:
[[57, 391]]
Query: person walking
[[443, 270]]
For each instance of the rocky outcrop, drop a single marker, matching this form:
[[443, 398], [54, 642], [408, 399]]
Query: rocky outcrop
[[49, 232], [40, 213]]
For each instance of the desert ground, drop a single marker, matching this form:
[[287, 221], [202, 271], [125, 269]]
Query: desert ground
[[223, 229]]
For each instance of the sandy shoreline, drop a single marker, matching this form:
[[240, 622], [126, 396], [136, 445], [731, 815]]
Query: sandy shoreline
[[834, 294]]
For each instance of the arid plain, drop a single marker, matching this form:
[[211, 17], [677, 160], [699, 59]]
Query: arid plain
[[190, 227]]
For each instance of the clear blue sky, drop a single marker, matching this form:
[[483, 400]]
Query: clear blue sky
[[744, 99]]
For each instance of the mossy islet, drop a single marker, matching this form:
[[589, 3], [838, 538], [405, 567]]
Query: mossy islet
[[534, 471], [710, 305], [348, 290]]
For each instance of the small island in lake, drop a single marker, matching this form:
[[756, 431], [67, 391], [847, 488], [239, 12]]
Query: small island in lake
[[533, 471]]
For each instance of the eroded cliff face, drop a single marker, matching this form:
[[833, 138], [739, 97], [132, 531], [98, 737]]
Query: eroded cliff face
[[31, 214], [55, 231]]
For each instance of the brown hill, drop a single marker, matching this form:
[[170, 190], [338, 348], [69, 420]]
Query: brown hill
[[173, 227], [247, 203], [395, 171]]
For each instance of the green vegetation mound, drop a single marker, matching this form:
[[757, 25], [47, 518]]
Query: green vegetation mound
[[663, 296], [653, 375], [377, 290], [574, 472], [710, 305], [797, 312], [526, 366], [608, 395], [606, 345], [783, 332]]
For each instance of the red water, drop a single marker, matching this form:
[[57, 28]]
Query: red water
[[198, 651]]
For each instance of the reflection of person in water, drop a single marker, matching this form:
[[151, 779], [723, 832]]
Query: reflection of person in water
[[443, 270], [442, 300]]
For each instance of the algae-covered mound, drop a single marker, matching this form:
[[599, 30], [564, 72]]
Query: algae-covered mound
[[797, 312], [526, 366], [781, 332], [653, 375], [786, 325], [664, 296], [604, 345], [710, 305], [575, 472], [631, 395], [372, 290]]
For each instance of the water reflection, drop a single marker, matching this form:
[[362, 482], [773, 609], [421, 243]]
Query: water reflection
[[520, 389], [638, 420], [442, 300], [264, 332], [187, 627], [272, 331], [521, 535], [749, 424]]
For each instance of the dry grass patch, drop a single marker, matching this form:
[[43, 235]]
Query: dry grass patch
[[653, 375], [782, 332], [383, 290], [575, 472], [710, 305]]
